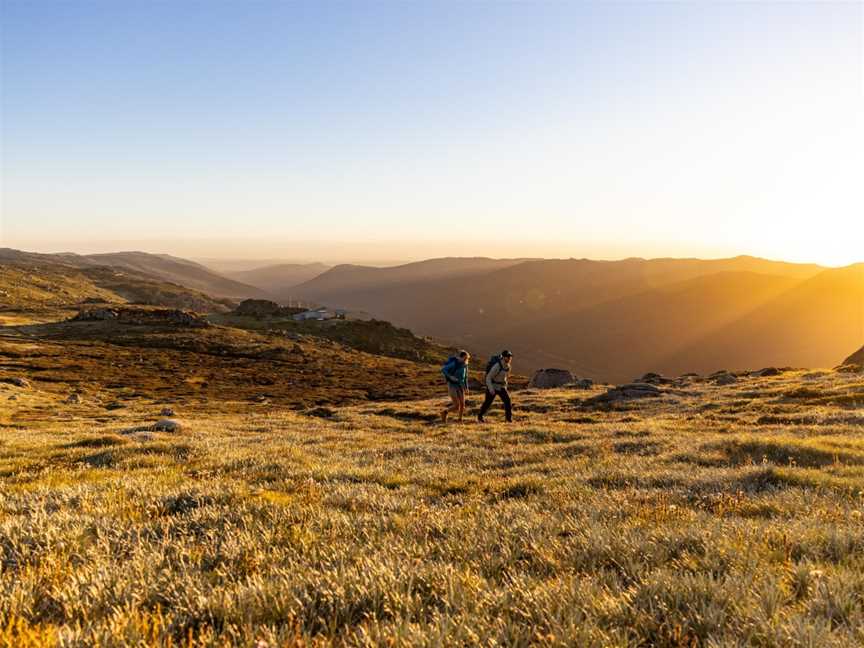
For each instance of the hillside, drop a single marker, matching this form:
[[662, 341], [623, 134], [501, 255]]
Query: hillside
[[179, 271], [35, 285], [570, 313], [339, 283], [278, 280], [158, 267], [704, 515], [208, 369]]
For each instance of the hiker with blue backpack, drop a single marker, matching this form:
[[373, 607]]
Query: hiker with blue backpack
[[497, 372], [455, 371]]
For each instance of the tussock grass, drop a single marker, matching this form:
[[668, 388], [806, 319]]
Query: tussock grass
[[660, 525]]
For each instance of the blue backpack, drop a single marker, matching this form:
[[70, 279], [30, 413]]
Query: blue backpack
[[449, 368]]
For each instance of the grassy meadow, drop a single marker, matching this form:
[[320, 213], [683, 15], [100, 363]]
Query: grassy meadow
[[712, 516]]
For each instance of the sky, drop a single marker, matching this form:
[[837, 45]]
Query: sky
[[401, 130]]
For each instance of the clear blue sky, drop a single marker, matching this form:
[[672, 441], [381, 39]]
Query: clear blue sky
[[598, 129]]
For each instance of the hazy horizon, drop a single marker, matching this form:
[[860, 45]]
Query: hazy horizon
[[234, 259], [405, 131]]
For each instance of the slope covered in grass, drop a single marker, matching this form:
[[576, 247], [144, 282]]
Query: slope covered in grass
[[707, 516]]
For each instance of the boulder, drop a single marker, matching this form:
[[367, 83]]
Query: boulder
[[856, 359], [552, 378], [167, 425], [630, 391], [23, 383], [143, 316], [583, 383], [767, 372], [723, 379], [96, 315]]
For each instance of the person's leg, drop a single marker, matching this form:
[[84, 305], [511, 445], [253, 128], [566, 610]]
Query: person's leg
[[487, 403], [508, 405], [453, 406], [461, 402]]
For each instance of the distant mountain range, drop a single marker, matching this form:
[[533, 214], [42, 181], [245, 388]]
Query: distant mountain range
[[279, 279], [608, 320], [617, 319]]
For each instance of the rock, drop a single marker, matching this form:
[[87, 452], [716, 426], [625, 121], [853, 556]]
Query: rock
[[167, 411], [583, 383], [768, 371], [143, 316], [850, 368], [115, 405], [552, 378], [856, 359], [13, 397], [96, 315], [297, 350], [23, 383], [321, 412], [262, 308], [652, 378], [74, 399], [142, 436], [167, 425], [630, 391], [723, 379]]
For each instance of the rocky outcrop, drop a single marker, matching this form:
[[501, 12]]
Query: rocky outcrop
[[167, 425], [262, 308], [630, 391], [552, 378], [143, 317], [723, 378], [855, 360]]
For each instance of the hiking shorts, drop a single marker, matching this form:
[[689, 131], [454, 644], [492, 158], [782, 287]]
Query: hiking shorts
[[456, 391]]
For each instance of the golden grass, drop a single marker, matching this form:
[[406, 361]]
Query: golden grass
[[679, 521]]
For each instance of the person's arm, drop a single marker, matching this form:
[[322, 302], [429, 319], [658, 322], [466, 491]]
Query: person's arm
[[493, 372]]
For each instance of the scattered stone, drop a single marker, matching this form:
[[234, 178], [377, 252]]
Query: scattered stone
[[583, 383], [767, 372], [630, 391], [23, 383], [652, 378], [552, 378], [850, 368], [167, 425], [74, 399], [142, 436], [115, 405], [167, 411], [143, 316], [13, 397], [297, 350], [723, 379]]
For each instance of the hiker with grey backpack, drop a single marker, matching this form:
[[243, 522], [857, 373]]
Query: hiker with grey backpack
[[497, 373]]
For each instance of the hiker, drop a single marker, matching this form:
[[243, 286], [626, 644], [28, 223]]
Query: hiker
[[455, 370], [497, 372]]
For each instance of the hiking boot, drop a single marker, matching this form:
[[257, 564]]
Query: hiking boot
[[480, 419], [444, 416]]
